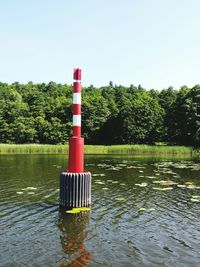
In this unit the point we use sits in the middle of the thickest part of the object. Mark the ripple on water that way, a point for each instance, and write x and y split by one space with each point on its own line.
130 223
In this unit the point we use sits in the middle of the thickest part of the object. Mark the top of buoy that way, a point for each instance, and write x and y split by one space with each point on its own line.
77 74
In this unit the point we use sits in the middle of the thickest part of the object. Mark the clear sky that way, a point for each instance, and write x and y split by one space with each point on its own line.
155 43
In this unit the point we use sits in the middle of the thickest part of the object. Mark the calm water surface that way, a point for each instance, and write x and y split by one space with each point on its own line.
135 219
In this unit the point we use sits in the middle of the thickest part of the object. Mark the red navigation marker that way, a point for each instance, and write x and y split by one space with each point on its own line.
75 182
76 142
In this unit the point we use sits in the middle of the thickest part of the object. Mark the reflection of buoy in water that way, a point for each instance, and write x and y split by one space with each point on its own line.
73 234
75 182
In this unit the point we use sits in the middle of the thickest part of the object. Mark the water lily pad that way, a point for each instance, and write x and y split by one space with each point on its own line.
142 209
98 182
142 184
98 174
163 189
82 209
191 186
165 182
194 200
73 211
114 169
119 198
20 193
47 196
31 188
151 209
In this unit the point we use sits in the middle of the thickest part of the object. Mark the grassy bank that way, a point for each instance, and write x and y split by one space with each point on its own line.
117 149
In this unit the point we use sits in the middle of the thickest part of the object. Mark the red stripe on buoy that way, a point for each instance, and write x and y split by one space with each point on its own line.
76 109
77 87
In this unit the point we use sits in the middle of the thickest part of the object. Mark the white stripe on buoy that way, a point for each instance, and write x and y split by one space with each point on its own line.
76 120
76 98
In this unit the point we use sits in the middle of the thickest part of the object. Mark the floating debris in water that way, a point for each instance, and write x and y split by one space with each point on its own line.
142 184
163 189
20 193
119 198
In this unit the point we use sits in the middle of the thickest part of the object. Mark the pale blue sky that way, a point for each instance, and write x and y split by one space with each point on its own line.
155 43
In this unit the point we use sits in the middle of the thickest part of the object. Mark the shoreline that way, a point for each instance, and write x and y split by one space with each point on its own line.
134 150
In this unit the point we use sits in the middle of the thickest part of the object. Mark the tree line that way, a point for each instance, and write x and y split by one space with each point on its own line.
41 113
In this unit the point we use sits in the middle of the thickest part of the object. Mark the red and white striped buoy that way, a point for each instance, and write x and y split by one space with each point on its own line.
75 182
76 142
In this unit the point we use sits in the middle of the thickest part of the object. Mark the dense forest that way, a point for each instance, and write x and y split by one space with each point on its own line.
41 113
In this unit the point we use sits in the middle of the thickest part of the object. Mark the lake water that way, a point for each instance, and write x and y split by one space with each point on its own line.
136 219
